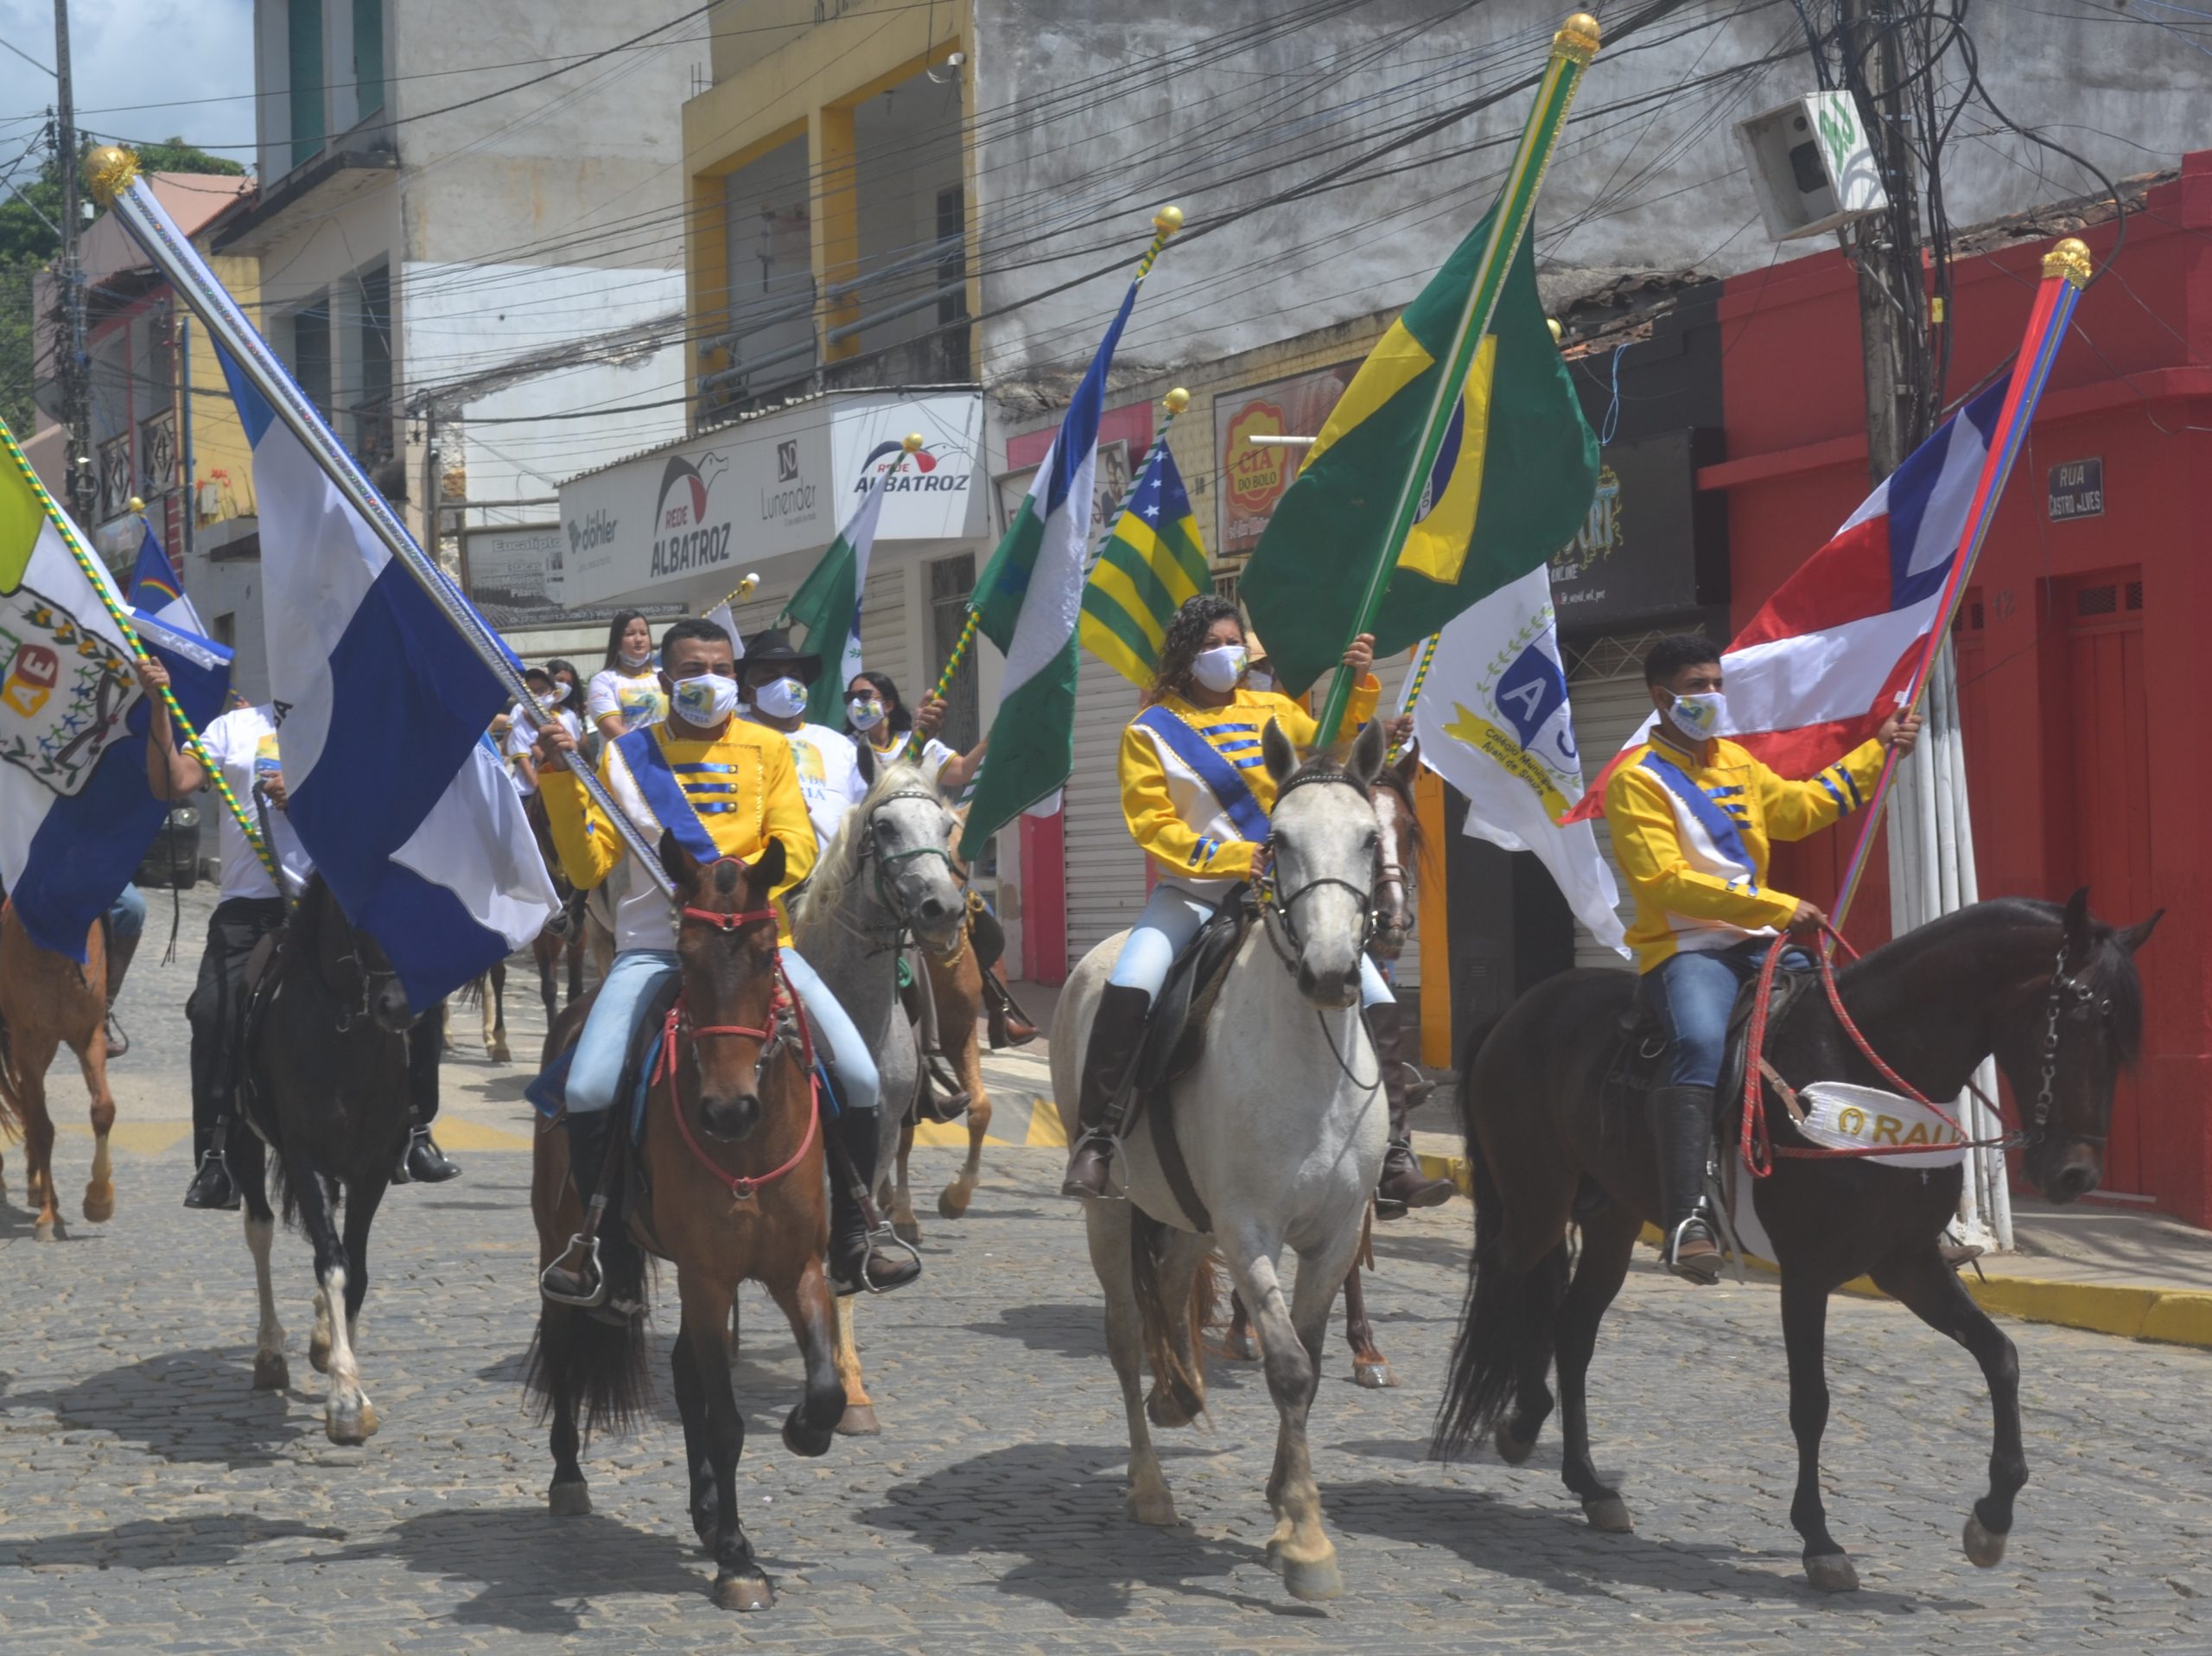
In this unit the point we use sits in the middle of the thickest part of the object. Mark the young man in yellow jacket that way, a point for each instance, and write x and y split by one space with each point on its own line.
1693 817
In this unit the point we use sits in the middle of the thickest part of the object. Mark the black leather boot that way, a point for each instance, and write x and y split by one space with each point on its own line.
211 1185
602 1269
855 1266
1403 1185
1008 1024
1682 1131
1116 1033
119 950
423 1162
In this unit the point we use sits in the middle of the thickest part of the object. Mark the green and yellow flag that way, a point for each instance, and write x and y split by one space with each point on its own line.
1511 484
1153 563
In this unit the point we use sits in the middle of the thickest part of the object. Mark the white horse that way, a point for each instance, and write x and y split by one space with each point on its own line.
888 876
1282 1124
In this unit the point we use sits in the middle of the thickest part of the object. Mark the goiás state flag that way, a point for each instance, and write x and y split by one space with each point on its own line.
76 815
1825 660
1511 481
1151 564
407 814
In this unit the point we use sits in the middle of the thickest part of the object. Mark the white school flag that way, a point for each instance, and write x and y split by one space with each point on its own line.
1494 722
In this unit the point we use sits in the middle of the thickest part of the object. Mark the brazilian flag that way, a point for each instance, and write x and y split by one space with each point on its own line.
1153 561
1511 484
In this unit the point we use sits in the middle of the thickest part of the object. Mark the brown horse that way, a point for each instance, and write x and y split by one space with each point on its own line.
956 987
46 999
735 1192
2050 993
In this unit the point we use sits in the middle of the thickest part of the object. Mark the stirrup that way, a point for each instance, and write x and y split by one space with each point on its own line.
597 1295
1670 1256
112 1032
1118 1183
884 1232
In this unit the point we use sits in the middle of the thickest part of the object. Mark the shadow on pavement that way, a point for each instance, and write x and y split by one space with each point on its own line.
185 1405
201 1542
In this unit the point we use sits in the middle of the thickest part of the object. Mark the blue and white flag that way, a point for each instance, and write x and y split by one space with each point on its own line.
155 591
408 814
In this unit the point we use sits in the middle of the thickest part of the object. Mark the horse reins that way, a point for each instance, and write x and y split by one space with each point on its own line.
1273 904
903 928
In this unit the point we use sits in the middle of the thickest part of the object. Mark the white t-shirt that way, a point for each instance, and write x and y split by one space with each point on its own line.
828 775
636 695
242 744
521 738
935 753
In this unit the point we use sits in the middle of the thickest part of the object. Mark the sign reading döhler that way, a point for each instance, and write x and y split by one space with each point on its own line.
1652 549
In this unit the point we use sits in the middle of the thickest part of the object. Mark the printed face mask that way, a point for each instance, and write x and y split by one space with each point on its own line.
1700 717
706 699
780 698
1219 668
865 712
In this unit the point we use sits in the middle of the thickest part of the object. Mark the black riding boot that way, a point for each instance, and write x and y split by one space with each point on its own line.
1403 1185
855 1265
211 1185
1681 1129
603 1269
119 951
423 1162
1116 1033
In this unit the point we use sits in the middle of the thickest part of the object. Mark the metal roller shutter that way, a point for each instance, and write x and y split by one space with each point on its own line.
1604 682
883 627
1105 871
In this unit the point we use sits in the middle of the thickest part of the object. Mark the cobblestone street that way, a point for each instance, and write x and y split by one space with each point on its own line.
149 1499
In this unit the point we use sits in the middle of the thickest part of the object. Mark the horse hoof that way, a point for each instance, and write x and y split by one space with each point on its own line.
859 1421
1233 1347
271 1371
907 1231
99 1203
569 1501
1156 1508
1832 1572
743 1593
1170 1407
352 1426
951 1204
499 1055
1313 1580
804 1440
1608 1513
1984 1546
1373 1372
47 1230
1510 1450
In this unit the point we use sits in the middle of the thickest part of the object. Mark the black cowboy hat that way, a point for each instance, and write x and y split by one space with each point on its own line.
773 647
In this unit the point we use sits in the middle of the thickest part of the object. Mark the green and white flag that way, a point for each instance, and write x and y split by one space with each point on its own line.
828 604
1027 603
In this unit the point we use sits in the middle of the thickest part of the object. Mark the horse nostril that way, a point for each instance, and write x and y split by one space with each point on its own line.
933 908
730 1117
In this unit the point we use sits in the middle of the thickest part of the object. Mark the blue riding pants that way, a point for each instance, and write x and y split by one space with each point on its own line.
1170 919
126 915
1692 993
637 976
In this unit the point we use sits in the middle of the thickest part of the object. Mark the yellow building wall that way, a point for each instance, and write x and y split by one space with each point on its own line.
220 453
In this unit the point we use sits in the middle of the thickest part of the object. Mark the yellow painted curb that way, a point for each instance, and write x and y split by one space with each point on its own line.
458 1133
1042 1132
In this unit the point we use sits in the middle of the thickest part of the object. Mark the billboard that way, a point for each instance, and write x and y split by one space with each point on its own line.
508 575
1255 474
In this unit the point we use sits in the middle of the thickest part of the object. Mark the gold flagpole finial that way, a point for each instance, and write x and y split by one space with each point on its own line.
136 504
1167 221
1177 400
913 442
109 170
2069 258
1577 38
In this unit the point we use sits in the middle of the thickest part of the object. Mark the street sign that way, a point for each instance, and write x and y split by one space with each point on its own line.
2077 490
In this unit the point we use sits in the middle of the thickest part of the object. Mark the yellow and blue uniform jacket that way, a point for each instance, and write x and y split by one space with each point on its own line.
742 789
1693 839
1175 763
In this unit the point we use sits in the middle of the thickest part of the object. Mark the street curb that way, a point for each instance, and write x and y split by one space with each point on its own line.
2172 1316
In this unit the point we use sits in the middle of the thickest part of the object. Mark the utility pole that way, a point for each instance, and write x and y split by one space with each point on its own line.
75 366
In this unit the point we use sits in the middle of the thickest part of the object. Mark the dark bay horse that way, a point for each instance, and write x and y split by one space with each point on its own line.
326 1066
2049 992
733 1160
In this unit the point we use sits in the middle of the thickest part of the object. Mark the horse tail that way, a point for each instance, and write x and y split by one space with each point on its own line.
593 1368
1179 1385
1506 1323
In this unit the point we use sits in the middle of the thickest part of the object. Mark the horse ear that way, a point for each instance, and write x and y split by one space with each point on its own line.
1368 749
768 869
683 868
2137 936
1279 751
2077 925
1407 771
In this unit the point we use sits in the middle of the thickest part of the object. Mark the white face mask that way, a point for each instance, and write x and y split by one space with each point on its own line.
1698 717
865 715
1219 668
1260 680
633 663
705 699
548 699
780 698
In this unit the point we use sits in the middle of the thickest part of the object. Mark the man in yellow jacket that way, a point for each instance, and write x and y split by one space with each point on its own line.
1693 817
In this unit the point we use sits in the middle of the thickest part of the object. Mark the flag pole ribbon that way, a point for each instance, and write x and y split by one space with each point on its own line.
1164 223
1413 691
112 173
2066 271
736 595
1572 48
121 616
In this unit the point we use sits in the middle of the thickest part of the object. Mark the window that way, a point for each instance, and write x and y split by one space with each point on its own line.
371 426
303 34
311 353
226 629
951 221
368 55
952 580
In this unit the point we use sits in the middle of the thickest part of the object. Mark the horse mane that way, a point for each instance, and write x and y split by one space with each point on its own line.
826 884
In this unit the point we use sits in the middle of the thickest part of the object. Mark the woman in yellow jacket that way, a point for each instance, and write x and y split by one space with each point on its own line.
1197 798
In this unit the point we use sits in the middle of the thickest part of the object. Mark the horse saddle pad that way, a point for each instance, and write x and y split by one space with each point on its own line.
1176 1028
548 1093
1642 1048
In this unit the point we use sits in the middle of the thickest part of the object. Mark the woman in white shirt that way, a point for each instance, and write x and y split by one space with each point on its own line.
522 735
879 722
626 693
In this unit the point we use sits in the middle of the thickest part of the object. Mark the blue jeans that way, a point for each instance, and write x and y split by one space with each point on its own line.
637 974
1692 992
1170 922
126 916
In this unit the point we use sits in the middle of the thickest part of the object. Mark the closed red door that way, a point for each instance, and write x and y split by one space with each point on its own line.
2112 793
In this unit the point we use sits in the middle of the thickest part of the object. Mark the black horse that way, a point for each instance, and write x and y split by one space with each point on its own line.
326 1069
2051 993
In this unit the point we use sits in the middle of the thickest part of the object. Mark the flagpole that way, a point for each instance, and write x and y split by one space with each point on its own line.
121 616
736 595
1175 402
2066 271
112 173
1572 49
1413 691
1164 223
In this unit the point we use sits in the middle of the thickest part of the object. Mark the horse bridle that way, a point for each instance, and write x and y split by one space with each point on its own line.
1273 905
370 977
1398 875
2054 1009
886 873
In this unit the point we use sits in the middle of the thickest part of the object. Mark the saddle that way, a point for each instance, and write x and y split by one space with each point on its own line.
1641 1048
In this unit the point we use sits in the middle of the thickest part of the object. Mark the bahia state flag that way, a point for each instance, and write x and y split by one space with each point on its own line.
76 814
155 590
409 816
1026 602
1511 483
1153 561
827 603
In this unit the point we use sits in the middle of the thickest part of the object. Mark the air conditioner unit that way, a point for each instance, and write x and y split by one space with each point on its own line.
1811 166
